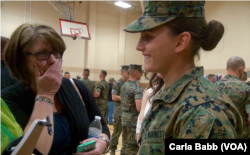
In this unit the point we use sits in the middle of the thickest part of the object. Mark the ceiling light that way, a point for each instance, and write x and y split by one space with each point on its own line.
123 4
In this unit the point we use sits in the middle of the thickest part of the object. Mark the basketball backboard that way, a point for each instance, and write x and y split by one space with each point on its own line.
74 29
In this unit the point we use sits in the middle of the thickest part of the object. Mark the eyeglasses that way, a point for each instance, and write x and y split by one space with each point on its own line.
44 55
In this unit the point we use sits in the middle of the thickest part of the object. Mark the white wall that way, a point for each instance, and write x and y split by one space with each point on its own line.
111 47
105 50
235 42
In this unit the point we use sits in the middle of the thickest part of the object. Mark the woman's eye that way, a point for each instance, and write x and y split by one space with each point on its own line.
42 53
57 55
148 38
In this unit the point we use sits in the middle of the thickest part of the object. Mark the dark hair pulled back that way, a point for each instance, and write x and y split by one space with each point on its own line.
205 35
154 79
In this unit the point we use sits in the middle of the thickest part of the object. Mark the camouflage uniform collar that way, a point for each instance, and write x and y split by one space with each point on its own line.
171 93
131 81
231 77
122 79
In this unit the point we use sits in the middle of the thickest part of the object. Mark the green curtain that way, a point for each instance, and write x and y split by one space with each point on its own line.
10 129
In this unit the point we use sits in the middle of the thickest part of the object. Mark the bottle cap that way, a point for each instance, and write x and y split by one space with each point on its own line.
98 118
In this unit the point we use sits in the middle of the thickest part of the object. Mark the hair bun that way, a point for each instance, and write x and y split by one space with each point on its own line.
212 35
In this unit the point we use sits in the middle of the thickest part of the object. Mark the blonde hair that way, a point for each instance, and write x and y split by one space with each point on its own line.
21 40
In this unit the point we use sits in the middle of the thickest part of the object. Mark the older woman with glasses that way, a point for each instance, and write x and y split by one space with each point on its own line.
34 56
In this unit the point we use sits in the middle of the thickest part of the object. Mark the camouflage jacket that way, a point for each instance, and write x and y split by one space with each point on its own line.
89 84
139 83
130 92
239 93
117 90
192 108
103 88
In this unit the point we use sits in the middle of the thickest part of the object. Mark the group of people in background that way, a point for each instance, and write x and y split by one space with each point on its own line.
179 103
127 94
211 77
99 91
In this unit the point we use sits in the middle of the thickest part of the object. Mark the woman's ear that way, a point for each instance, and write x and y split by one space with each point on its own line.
182 41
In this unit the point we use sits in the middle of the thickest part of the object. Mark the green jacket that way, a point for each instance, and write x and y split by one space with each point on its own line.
89 84
239 93
10 129
117 91
103 88
192 108
130 92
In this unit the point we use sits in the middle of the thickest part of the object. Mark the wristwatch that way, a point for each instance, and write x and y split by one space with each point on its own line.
107 141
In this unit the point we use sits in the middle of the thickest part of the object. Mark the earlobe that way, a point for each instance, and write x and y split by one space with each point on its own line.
182 42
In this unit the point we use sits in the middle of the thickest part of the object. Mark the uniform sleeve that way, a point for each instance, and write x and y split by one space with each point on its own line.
138 93
99 87
115 89
202 124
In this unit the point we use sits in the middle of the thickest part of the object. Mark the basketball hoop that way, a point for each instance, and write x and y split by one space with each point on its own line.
76 32
78 35
73 29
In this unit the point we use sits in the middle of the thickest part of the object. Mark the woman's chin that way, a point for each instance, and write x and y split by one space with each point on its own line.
148 69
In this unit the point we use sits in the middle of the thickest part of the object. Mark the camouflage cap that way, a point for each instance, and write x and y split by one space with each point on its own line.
160 12
111 79
124 67
136 67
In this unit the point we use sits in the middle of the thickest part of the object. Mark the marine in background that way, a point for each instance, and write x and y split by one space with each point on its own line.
88 83
101 93
237 90
117 124
131 98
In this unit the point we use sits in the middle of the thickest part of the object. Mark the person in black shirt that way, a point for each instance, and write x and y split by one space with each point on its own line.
110 109
6 80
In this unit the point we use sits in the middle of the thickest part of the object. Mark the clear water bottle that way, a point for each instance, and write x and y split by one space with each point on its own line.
95 128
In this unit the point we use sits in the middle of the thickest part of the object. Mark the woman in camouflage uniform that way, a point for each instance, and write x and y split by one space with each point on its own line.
188 106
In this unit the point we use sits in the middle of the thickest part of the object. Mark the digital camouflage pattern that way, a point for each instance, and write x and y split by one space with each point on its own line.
136 67
192 108
117 124
130 92
111 79
117 91
102 100
139 84
124 67
89 84
239 93
129 145
160 12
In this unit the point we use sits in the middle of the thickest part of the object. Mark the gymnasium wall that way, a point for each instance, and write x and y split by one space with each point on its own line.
111 47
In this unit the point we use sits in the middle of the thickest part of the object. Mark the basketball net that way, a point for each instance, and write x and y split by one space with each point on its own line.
78 35
76 32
